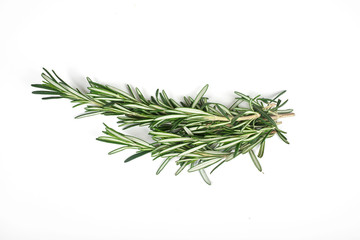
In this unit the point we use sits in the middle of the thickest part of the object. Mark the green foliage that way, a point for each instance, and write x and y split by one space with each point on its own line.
197 133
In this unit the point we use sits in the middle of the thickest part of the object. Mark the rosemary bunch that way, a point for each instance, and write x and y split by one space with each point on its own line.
196 132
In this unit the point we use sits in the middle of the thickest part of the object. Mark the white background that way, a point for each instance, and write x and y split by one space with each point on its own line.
57 181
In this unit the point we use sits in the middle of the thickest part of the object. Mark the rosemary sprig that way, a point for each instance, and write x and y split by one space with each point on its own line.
197 133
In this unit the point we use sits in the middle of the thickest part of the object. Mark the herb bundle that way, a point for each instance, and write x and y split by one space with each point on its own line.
196 132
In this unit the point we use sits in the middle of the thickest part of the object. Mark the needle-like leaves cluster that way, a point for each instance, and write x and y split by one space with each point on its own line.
197 133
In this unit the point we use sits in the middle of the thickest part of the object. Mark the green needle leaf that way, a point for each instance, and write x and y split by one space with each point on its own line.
255 160
182 166
261 150
45 92
204 165
117 150
277 96
204 176
200 95
282 137
48 98
237 148
88 114
217 167
136 155
111 140
165 162
192 150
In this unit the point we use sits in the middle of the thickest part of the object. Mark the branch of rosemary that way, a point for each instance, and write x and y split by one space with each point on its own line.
198 133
